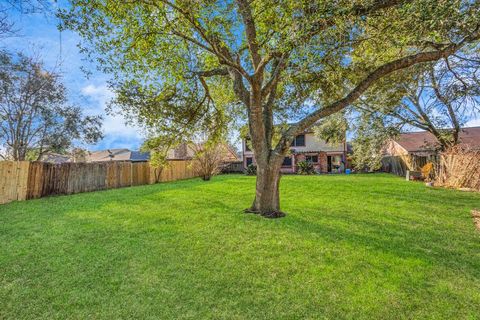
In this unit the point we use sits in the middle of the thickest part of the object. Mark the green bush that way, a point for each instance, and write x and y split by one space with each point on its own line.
305 167
251 170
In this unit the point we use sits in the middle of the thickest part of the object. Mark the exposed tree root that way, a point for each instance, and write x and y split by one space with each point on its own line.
268 215
274 215
250 210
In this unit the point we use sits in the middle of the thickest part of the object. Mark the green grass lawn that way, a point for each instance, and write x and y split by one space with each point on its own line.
355 247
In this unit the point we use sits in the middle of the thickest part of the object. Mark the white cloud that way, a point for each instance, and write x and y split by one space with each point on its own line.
97 92
100 94
473 123
117 133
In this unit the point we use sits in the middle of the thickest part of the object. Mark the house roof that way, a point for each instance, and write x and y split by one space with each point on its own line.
139 156
109 155
117 155
233 155
186 151
425 141
54 158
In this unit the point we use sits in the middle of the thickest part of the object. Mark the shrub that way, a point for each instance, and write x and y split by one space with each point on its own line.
207 160
251 170
428 172
305 167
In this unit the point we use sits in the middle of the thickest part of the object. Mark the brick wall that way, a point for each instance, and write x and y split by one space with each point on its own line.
323 164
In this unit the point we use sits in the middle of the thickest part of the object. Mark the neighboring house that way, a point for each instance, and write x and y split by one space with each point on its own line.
55 158
326 158
411 151
97 156
186 151
230 154
182 152
117 155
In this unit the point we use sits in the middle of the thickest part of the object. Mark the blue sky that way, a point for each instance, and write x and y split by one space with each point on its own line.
38 34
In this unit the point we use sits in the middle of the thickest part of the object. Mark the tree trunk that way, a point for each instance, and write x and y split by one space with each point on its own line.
267 197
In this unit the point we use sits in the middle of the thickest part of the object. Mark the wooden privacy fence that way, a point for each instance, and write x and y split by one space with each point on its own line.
394 164
22 180
400 164
232 167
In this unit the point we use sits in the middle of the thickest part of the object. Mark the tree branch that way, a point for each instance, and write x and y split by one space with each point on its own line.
250 31
277 70
448 105
357 10
465 86
216 47
193 41
366 83
211 73
239 88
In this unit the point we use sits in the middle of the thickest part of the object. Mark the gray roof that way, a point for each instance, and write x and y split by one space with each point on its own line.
109 155
139 156
118 155
55 158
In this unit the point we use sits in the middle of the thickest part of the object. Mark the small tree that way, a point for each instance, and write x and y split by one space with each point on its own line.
79 155
35 116
372 131
208 159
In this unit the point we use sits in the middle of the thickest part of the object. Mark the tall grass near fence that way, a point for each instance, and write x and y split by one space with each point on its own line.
459 168
23 180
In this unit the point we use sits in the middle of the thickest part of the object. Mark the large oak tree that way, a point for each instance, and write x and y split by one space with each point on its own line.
188 63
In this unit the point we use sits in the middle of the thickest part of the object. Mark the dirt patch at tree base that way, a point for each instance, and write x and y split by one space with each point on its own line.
268 215
476 218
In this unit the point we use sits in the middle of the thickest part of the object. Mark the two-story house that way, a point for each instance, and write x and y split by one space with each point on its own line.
326 158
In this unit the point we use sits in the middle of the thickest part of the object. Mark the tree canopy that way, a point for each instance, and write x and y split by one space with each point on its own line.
172 59
439 97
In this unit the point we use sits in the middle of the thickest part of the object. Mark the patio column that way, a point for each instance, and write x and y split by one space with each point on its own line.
293 163
323 162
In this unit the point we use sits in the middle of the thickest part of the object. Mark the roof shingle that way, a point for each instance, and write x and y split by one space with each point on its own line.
425 141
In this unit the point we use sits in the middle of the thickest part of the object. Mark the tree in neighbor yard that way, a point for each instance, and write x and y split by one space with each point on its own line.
179 62
35 116
440 99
